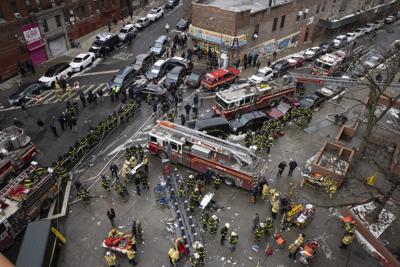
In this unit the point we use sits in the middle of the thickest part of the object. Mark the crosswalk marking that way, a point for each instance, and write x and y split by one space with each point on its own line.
123 55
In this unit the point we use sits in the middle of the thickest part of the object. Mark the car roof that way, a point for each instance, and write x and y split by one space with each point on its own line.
253 115
265 69
56 66
142 55
124 71
128 26
161 38
176 69
142 18
159 62
82 54
215 121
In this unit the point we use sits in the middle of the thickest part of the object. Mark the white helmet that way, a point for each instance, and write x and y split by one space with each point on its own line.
233 233
214 217
196 255
309 206
196 244
261 225
191 176
108 253
227 225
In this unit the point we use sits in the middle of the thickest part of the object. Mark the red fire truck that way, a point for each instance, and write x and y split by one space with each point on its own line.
245 99
327 64
236 164
16 152
219 78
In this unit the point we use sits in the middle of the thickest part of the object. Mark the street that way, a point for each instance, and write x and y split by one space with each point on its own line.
86 225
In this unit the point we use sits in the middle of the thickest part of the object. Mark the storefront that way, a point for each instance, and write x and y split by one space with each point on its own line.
34 43
57 46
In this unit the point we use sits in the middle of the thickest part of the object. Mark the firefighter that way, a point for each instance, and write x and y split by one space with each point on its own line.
40 171
173 256
191 204
196 196
205 216
268 142
346 240
265 191
195 260
350 227
146 163
105 183
248 139
111 259
114 233
131 254
199 248
217 180
294 247
213 222
275 205
84 195
233 240
140 152
286 118
181 190
224 232
190 183
144 180
259 232
268 226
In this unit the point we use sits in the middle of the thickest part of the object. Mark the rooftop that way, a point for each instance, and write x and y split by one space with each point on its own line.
242 5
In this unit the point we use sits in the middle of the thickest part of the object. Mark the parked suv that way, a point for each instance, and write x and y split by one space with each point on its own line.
127 33
220 78
157 70
216 126
104 44
143 62
172 3
155 13
142 23
124 78
248 121
179 61
174 77
280 67
159 45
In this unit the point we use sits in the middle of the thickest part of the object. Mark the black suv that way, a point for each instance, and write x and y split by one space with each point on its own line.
280 67
172 3
104 44
216 126
174 77
327 47
143 62
179 61
124 78
248 121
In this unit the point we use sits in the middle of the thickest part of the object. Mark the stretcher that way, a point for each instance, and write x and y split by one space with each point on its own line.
118 244
206 200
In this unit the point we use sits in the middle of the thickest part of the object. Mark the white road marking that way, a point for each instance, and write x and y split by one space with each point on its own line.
99 73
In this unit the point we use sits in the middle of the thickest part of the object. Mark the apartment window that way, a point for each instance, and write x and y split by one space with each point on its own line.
45 26
256 28
274 24
305 13
318 8
2 17
323 7
299 14
58 21
283 21
13 5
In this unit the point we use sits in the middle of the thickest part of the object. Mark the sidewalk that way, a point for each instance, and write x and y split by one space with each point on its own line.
85 44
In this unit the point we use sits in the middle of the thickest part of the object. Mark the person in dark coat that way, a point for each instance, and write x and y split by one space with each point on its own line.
30 66
255 58
237 64
292 166
83 98
281 168
245 61
40 124
62 120
187 109
111 216
249 59
183 119
21 68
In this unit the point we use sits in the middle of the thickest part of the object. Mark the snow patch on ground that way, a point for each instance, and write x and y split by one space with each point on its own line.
384 220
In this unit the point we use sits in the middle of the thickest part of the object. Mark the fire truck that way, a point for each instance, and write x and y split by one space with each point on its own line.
220 78
327 64
236 164
245 99
24 199
16 152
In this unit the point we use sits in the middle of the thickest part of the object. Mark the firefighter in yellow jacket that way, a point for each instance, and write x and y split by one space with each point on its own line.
347 240
294 247
111 259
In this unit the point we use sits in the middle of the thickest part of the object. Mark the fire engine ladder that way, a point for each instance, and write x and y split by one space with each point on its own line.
244 154
348 82
17 180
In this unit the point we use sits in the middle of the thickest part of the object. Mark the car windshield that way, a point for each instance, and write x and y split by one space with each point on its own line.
209 79
97 43
118 80
314 49
78 59
50 73
153 12
221 102
172 76
260 74
155 69
123 31
278 66
325 45
158 44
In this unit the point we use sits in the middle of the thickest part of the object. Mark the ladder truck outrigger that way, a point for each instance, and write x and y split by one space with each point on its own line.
236 164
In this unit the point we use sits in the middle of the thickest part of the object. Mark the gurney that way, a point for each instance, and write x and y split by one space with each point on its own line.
206 200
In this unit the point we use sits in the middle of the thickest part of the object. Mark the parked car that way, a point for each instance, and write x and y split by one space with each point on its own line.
142 23
82 60
194 79
171 4
159 46
280 67
155 13
351 36
182 24
263 75
174 77
329 90
360 32
25 92
279 111
179 61
312 53
220 78
143 62
154 89
370 27
311 101
340 41
157 70
127 33
55 72
124 78
379 23
104 44
248 121
296 61
389 20
327 47
215 126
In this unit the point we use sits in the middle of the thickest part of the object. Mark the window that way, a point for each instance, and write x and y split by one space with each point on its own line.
58 21
13 5
305 14
174 146
323 7
256 28
248 99
318 8
299 14
45 26
274 24
283 21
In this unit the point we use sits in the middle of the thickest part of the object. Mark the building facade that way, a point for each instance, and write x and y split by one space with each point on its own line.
37 30
237 27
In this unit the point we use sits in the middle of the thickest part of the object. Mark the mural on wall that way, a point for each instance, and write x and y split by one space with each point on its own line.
218 38
288 41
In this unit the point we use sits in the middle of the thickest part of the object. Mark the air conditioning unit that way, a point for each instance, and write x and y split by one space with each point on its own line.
17 15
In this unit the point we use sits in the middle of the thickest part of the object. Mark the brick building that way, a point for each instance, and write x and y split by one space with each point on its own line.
37 30
236 27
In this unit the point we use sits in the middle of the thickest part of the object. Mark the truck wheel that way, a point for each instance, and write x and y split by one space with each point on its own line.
45 206
228 181
163 155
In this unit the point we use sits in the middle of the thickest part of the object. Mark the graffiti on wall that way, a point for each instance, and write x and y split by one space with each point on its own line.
218 38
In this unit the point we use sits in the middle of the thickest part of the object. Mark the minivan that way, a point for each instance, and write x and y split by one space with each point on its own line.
124 78
159 46
104 44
